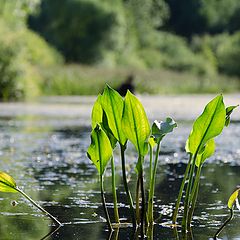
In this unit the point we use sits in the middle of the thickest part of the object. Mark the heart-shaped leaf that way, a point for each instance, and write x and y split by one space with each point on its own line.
229 111
135 123
208 125
97 112
233 198
112 104
7 183
207 152
160 129
100 150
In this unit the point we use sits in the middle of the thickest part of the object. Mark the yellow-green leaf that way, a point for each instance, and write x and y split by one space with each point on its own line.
7 183
135 123
100 150
233 198
208 151
112 104
208 125
97 112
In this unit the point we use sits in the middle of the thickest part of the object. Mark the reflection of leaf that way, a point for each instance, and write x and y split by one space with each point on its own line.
208 125
135 123
7 183
233 198
100 150
229 111
207 152
160 129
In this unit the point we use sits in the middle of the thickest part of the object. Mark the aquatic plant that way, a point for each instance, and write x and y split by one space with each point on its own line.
233 200
8 184
200 146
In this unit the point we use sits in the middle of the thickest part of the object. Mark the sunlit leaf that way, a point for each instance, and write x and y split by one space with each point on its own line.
152 141
208 125
100 150
229 111
112 104
7 183
207 152
135 123
160 129
233 198
97 112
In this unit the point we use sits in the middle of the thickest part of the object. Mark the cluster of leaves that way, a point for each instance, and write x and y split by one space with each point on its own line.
117 120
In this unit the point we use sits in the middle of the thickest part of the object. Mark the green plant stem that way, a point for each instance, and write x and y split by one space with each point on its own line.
104 204
38 206
152 185
138 202
114 192
188 192
175 214
150 164
129 197
194 195
224 224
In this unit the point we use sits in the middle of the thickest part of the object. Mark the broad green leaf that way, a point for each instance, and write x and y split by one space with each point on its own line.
97 112
208 125
160 129
207 152
100 150
233 198
7 183
229 111
112 104
135 123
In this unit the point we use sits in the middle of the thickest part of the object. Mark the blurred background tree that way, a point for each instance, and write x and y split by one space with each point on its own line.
47 45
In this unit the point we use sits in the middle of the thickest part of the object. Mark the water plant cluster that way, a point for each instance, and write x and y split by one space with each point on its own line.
116 121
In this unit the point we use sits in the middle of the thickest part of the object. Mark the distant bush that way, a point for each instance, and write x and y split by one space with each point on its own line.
21 53
225 51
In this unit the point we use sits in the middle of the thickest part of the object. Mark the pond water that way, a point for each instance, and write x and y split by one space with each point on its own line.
47 157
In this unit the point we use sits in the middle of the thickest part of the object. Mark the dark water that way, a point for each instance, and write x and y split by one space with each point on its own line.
48 161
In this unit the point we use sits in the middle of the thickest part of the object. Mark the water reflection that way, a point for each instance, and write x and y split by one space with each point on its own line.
50 164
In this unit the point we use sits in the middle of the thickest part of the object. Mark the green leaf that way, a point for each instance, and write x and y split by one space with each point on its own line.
229 111
112 104
7 183
233 198
135 123
160 129
100 150
152 141
207 152
208 125
97 112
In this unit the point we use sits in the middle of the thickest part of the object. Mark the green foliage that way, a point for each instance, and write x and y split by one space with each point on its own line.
232 199
135 123
7 183
100 150
112 104
208 125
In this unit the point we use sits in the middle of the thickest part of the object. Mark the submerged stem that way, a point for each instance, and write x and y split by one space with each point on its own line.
175 214
104 204
129 197
224 224
152 185
114 192
38 206
187 197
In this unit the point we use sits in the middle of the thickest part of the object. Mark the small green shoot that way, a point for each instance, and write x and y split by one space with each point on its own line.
233 199
8 184
159 130
136 128
100 152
